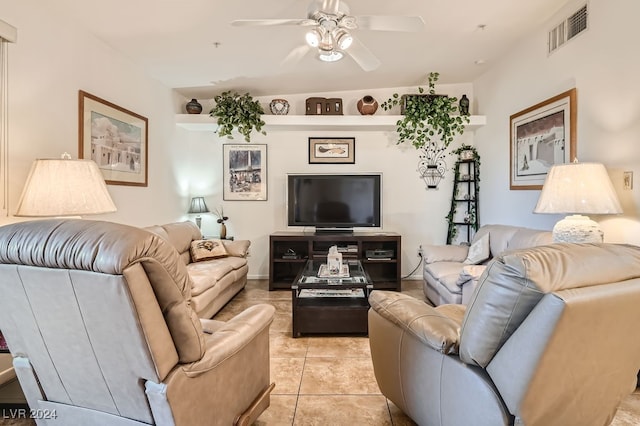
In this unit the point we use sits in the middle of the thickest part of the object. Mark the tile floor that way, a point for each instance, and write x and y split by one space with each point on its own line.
330 380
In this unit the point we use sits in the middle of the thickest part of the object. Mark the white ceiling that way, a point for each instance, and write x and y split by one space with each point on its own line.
175 41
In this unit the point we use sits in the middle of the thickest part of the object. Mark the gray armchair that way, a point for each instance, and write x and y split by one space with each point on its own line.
98 320
548 338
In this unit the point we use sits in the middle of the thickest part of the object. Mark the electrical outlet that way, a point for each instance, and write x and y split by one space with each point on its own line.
420 253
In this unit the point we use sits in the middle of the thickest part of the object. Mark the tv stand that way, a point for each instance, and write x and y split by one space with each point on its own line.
289 252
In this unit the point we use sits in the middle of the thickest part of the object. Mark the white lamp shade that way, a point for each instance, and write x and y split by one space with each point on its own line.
582 188
64 187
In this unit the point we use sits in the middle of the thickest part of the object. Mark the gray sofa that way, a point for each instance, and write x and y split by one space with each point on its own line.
215 281
548 339
448 279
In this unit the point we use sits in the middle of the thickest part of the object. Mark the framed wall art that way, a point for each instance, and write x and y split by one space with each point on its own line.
541 136
115 138
332 150
245 172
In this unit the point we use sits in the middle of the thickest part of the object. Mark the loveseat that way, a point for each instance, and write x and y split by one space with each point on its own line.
217 268
548 339
451 272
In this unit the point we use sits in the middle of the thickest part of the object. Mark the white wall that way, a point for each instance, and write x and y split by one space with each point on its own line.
50 62
603 65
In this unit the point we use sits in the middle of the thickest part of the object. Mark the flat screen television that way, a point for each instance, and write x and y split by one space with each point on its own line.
334 202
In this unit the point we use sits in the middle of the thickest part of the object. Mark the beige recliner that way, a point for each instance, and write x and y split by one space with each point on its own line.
98 319
548 338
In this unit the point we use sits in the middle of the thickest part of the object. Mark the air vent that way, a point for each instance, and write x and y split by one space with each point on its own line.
568 29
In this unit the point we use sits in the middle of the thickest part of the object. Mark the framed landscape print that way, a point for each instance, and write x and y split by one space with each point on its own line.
245 172
541 136
332 150
115 138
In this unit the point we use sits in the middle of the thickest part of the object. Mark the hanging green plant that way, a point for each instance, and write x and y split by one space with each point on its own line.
235 111
427 116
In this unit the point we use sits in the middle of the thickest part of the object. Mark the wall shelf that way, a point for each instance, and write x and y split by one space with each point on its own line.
204 122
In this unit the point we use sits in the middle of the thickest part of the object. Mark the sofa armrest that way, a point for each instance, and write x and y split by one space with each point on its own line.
437 328
445 253
228 339
237 248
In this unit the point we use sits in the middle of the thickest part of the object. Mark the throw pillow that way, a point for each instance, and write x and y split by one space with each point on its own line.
207 249
238 248
479 251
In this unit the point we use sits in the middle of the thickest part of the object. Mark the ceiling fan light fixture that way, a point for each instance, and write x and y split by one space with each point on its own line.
330 56
313 38
342 38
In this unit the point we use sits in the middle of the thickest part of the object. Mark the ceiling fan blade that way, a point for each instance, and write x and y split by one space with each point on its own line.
272 22
363 56
330 6
390 23
296 55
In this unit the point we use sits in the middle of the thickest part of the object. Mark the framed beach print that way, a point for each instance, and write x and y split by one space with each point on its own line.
541 136
332 150
115 138
245 172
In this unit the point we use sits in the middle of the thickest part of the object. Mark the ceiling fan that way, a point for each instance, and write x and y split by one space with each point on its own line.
330 31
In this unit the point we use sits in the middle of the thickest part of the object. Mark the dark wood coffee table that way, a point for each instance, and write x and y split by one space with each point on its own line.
330 304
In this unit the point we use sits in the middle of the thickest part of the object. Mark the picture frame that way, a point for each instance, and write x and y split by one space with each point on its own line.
115 138
332 150
541 136
244 172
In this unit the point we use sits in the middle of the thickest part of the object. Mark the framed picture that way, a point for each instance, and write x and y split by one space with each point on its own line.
541 136
332 150
245 172
115 138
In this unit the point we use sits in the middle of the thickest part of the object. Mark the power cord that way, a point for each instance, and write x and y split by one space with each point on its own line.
416 268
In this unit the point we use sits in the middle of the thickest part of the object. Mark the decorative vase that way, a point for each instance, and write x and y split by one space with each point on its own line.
223 231
367 105
193 107
464 105
279 107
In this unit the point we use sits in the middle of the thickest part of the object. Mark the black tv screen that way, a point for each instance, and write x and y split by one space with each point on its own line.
334 201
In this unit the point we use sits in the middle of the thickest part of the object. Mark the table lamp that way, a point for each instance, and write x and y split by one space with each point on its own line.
578 189
198 206
64 187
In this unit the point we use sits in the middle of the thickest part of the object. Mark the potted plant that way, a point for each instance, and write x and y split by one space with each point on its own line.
427 117
235 111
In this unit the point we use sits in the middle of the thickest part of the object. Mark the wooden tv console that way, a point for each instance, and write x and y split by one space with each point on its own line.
289 251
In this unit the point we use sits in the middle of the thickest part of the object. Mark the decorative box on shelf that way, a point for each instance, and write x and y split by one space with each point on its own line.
324 106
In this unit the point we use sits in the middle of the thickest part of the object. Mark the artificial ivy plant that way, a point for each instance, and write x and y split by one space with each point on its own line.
427 116
235 111
452 229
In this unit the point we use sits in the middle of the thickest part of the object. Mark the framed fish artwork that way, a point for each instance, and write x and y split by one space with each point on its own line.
332 150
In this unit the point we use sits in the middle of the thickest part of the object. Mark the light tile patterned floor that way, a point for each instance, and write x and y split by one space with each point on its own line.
330 380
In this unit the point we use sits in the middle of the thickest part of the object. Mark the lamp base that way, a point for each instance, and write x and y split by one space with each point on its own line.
577 229
199 222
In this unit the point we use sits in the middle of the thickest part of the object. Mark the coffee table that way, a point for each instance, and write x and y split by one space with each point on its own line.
330 304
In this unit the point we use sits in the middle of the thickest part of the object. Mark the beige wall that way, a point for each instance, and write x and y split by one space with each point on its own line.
602 64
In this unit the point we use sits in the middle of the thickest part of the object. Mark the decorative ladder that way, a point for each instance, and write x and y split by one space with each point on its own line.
465 194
